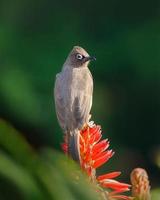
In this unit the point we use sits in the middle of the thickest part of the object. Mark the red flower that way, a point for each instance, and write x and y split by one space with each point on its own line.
93 154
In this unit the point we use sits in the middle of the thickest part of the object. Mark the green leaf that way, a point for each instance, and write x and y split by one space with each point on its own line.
20 177
69 175
14 143
50 175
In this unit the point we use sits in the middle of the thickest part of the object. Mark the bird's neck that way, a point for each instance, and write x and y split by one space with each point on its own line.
68 67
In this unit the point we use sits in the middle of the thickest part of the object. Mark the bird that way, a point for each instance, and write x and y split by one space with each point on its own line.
73 93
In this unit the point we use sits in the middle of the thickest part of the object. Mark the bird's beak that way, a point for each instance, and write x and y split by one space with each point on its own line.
89 58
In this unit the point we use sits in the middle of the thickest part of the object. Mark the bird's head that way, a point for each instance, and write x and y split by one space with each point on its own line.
79 57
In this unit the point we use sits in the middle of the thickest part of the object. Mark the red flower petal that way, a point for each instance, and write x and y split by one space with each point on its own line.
95 134
119 191
104 144
100 161
121 197
64 147
115 185
108 176
87 156
94 129
97 155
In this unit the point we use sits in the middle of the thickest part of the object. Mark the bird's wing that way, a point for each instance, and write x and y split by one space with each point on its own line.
83 102
59 101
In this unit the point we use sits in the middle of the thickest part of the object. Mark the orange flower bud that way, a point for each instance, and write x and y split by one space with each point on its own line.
140 184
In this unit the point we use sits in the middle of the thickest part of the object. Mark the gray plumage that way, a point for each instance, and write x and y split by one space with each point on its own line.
73 97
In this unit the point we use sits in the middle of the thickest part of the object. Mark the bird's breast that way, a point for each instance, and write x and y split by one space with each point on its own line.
75 82
81 78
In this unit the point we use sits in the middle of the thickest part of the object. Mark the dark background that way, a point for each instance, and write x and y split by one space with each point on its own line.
35 39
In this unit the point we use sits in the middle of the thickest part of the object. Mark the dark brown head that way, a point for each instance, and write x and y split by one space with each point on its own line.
78 57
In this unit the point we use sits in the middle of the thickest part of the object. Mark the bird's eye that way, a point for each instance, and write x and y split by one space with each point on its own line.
79 56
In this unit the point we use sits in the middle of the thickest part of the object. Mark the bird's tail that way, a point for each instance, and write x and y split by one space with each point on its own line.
73 145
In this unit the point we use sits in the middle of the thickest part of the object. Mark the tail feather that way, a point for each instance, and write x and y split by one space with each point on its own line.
73 145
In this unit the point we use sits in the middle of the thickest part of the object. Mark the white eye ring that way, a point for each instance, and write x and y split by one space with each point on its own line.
79 56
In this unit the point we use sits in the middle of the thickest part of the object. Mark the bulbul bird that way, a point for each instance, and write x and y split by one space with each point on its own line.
73 97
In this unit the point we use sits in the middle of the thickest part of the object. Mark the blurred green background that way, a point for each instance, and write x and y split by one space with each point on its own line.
35 39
